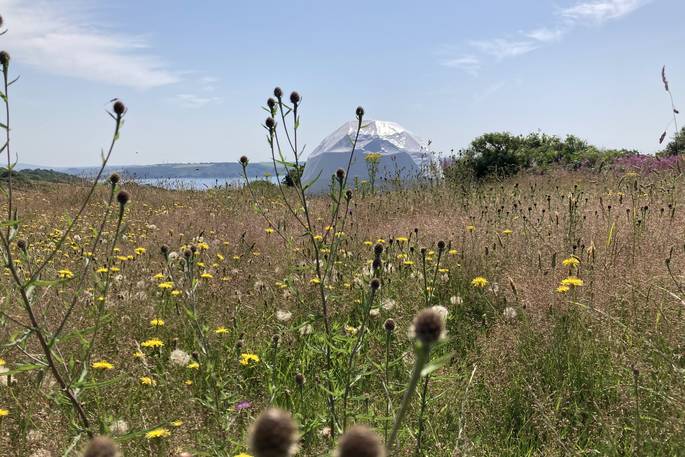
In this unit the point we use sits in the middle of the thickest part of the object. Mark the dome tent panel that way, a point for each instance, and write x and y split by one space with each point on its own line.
401 156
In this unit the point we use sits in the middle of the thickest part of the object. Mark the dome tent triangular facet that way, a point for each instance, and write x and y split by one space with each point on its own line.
401 156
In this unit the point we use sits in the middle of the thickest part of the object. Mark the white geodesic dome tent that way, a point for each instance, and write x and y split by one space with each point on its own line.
403 156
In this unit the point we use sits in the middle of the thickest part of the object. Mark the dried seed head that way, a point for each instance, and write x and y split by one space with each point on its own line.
244 160
359 441
271 103
274 434
378 249
377 263
270 123
375 284
187 253
164 249
101 446
441 245
348 194
119 108
428 326
123 197
359 112
4 59
389 325
22 244
340 174
114 178
295 98
278 93
300 379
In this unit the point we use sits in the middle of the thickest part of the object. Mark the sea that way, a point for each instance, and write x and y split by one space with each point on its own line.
200 183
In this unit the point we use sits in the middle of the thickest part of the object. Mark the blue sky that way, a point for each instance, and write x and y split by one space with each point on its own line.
194 74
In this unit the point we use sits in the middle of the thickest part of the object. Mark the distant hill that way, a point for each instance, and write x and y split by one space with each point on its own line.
179 170
25 176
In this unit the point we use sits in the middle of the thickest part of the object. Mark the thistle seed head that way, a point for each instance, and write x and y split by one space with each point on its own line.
274 434
359 441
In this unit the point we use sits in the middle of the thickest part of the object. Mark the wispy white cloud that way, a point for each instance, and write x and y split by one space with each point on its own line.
502 47
600 11
468 63
526 41
194 100
60 38
545 35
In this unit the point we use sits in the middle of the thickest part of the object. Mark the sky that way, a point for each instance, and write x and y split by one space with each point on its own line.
195 74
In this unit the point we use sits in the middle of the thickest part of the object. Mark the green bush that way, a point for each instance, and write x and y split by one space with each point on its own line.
501 154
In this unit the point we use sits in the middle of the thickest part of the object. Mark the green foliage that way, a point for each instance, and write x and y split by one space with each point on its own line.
502 154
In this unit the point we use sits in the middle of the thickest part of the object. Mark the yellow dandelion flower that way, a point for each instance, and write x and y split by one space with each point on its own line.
221 330
193 365
202 246
479 281
368 243
2 362
65 273
157 322
102 270
246 359
315 281
269 230
242 454
188 382
507 232
158 276
140 251
563 289
166 285
102 365
452 252
4 412
206 276
318 237
138 355
177 423
471 228
159 432
152 343
147 381
176 293
572 261
572 281
408 263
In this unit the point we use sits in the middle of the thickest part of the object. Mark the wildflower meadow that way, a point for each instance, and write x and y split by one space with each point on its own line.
538 314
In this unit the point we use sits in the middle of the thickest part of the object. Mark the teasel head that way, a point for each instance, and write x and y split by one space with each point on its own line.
4 60
378 249
359 441
273 434
123 197
377 263
270 124
340 175
389 325
348 195
360 113
375 284
101 446
428 326
114 178
271 103
278 93
119 108
244 160
441 245
295 98
22 244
